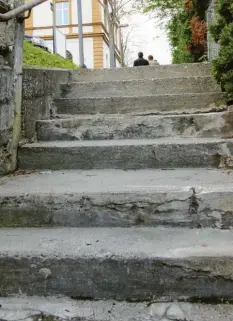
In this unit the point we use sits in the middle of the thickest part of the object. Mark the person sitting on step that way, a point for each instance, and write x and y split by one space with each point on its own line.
152 62
140 61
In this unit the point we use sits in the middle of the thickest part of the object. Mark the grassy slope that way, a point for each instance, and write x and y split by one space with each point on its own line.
35 56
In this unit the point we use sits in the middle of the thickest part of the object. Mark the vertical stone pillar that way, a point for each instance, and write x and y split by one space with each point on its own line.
11 52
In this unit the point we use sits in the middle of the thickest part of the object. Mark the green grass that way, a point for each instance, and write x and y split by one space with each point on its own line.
35 56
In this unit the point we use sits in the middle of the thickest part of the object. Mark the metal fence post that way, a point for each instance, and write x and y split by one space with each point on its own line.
80 33
213 47
53 8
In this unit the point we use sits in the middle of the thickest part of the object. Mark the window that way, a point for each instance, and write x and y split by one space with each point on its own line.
62 13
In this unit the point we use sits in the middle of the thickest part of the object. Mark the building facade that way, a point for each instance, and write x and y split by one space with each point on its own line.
95 29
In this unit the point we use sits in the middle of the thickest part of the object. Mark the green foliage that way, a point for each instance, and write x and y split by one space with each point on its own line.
183 31
35 56
180 35
216 29
180 56
163 5
222 31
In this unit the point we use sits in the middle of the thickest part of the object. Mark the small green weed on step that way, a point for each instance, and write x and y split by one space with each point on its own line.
35 56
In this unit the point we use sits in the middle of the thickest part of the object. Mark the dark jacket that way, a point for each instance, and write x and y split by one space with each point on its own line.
141 62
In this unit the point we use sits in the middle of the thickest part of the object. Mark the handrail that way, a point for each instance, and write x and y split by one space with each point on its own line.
19 10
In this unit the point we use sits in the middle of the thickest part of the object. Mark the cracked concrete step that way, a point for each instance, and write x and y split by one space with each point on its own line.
179 103
127 154
64 308
97 127
123 264
162 71
139 87
116 198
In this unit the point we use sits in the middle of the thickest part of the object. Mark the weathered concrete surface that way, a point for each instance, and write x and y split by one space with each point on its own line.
11 34
189 198
123 264
128 154
139 87
97 127
163 71
64 308
168 104
7 40
39 86
6 109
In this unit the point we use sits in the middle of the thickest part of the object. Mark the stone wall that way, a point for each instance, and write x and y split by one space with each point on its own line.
11 36
39 85
37 89
6 106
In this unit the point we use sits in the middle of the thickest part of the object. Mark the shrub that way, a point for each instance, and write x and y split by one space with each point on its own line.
187 28
179 33
222 32
35 56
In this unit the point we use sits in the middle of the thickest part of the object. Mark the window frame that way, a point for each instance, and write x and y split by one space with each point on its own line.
64 13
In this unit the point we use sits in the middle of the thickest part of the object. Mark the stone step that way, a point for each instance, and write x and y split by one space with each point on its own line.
117 198
142 87
127 154
118 263
168 104
97 127
65 308
162 71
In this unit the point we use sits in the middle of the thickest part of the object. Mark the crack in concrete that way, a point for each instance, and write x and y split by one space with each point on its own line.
210 273
194 206
115 204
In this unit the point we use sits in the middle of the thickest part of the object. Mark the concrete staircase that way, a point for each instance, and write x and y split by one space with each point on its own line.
127 207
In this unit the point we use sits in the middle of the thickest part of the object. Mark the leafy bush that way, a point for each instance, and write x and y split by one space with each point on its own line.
222 32
35 56
180 35
187 29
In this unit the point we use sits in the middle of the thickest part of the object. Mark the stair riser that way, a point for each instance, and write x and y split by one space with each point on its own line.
116 277
215 155
139 105
140 88
129 127
170 71
174 209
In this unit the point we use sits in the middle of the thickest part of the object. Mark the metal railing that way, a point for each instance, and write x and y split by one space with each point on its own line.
15 12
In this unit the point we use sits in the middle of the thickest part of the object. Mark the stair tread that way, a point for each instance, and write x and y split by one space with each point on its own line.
73 82
62 117
156 242
140 103
127 142
117 263
65 308
176 95
160 86
118 181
